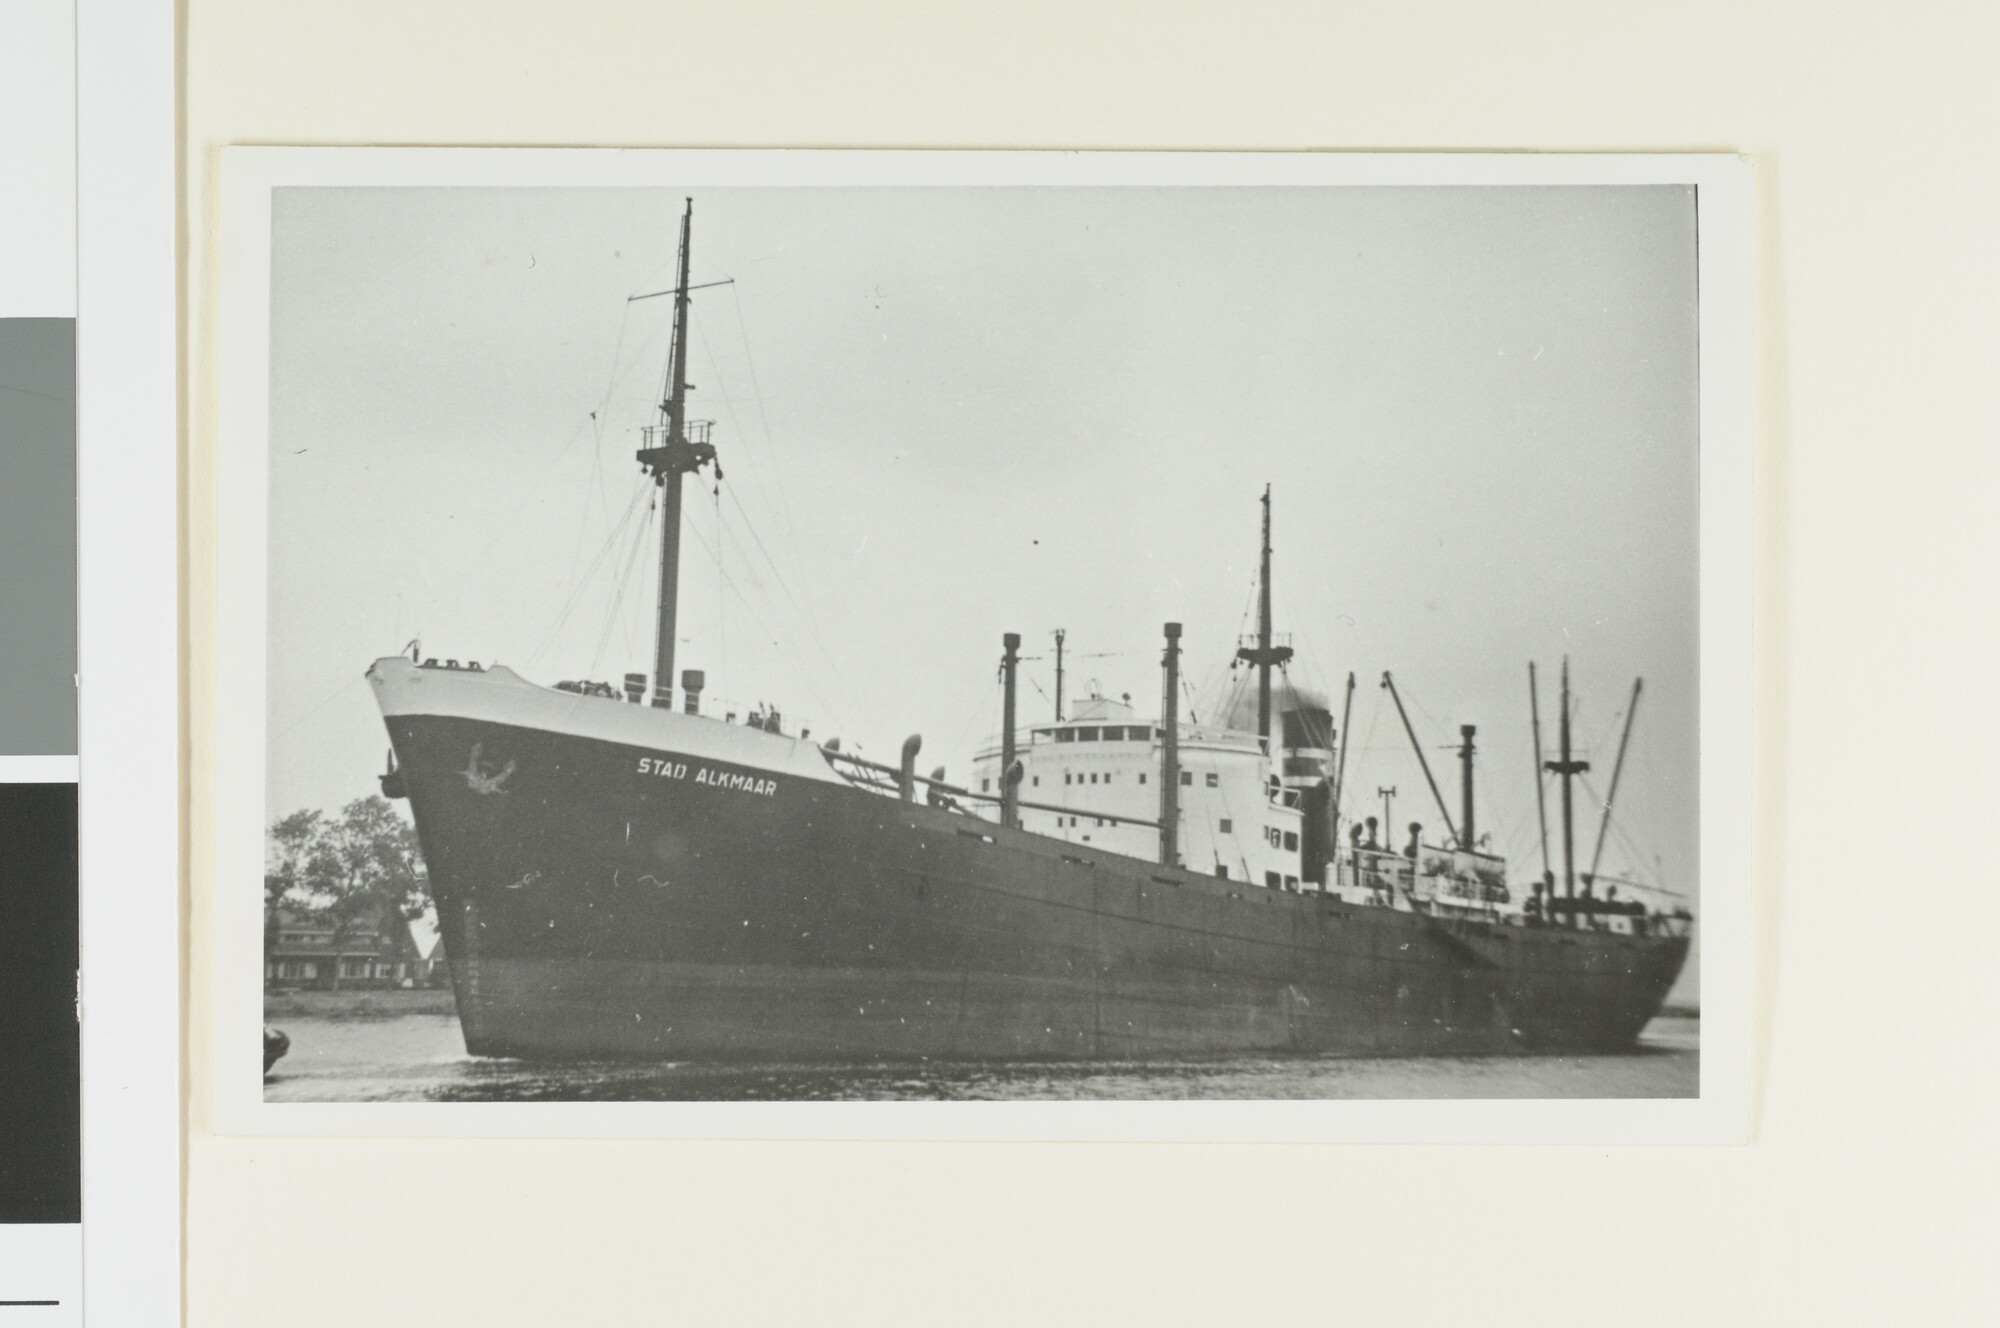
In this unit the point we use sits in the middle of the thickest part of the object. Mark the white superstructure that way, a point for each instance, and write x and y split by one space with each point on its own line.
1238 819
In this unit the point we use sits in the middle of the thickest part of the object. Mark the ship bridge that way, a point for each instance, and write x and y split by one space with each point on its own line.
1238 819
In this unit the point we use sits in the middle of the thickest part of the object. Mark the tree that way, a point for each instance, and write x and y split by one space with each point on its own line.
286 852
342 873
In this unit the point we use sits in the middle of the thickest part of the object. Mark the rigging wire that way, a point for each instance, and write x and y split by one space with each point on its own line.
1311 658
507 525
583 583
754 463
1435 723
616 532
352 680
727 585
622 584
1515 842
967 732
1631 846
1368 745
640 488
648 351
763 419
595 485
769 621
1640 858
763 627
611 379
1216 684
537 488
735 587
1603 742
721 581
785 531
804 615
470 556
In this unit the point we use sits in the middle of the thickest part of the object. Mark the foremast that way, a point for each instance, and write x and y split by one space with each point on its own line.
672 452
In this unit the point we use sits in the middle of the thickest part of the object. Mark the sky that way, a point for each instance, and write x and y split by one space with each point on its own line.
945 414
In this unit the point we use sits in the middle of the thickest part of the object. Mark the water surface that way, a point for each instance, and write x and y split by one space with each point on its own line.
422 1058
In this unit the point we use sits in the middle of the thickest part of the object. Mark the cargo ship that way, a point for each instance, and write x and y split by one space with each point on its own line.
619 875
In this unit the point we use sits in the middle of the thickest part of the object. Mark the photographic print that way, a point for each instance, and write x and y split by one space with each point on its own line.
942 640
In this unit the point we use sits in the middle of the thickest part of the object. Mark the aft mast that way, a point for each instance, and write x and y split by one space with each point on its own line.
1567 767
669 455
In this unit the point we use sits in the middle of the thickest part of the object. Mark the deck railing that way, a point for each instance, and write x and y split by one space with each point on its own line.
869 775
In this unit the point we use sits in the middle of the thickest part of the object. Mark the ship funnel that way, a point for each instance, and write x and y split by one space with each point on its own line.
906 778
1467 835
1010 812
635 687
692 681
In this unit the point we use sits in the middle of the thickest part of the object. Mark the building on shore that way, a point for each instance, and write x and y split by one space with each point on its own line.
375 950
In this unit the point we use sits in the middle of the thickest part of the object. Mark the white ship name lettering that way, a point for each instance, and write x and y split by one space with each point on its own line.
661 768
665 769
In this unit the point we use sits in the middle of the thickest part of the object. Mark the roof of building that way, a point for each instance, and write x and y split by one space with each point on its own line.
378 930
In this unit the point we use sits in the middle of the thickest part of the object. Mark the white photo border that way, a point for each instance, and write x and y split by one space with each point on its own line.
1718 1115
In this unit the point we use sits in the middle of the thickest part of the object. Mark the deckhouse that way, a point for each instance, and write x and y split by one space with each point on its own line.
1093 779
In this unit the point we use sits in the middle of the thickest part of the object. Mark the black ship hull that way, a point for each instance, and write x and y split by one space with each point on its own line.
601 897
